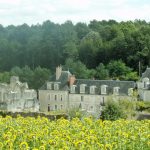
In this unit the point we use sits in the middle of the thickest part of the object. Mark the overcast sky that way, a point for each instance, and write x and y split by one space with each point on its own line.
17 12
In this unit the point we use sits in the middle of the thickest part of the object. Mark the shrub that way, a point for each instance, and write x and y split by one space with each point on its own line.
112 111
76 112
141 106
4 113
148 110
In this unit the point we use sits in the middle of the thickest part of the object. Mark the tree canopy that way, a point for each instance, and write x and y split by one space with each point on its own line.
119 46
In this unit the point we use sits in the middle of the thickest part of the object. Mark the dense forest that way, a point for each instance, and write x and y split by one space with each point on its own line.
102 49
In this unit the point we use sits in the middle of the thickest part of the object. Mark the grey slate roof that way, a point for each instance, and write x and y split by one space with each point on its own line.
64 81
64 84
124 86
145 74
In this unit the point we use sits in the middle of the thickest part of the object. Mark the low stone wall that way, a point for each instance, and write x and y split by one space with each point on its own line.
51 117
143 115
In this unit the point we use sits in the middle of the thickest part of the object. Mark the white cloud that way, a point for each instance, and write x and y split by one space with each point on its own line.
36 11
146 7
129 13
10 2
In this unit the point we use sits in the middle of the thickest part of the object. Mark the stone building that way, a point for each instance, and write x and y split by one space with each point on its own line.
63 91
143 86
16 96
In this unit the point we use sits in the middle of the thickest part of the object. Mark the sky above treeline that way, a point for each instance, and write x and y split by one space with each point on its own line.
17 12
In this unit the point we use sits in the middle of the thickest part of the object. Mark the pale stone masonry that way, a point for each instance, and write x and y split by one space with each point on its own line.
143 86
16 96
63 91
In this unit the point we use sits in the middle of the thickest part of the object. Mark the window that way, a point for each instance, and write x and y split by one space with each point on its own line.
48 107
103 89
55 97
48 97
56 87
55 107
61 106
61 98
92 89
82 98
82 88
145 82
103 100
116 90
49 86
91 108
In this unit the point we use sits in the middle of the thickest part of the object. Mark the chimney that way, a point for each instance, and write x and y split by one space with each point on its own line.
92 78
71 80
58 72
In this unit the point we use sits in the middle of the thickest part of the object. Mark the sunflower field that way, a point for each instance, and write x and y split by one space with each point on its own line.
89 134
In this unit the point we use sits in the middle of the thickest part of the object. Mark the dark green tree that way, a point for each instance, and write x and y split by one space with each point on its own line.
76 68
70 50
5 77
41 75
117 68
101 72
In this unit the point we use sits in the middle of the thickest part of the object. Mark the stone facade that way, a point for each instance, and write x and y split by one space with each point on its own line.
64 91
143 86
51 100
16 96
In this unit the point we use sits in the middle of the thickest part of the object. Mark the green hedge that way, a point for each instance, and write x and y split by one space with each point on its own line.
4 113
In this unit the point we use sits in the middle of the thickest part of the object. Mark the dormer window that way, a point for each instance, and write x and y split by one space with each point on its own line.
116 90
73 88
49 85
145 83
82 88
130 91
56 85
92 89
103 89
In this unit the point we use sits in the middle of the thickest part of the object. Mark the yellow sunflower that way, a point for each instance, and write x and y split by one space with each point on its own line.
54 143
43 142
97 145
1 144
65 148
79 145
108 147
108 135
88 147
114 145
41 148
8 144
23 145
